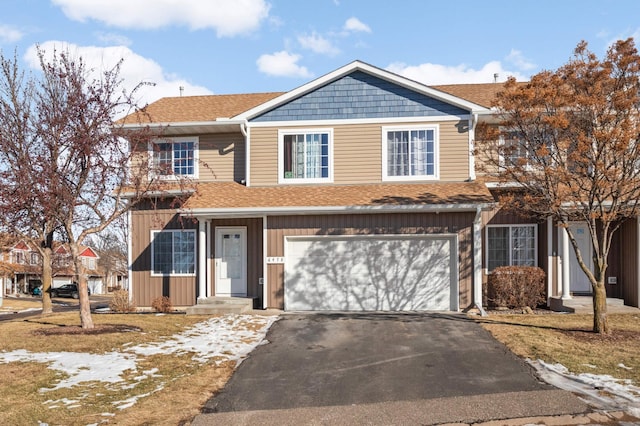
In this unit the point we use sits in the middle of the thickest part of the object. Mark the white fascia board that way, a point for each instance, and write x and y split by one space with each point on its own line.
388 120
158 193
262 211
369 69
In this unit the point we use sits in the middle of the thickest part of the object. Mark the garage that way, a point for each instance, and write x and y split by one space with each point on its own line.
371 273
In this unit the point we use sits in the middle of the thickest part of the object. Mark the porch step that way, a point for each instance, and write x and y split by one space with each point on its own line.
584 305
221 305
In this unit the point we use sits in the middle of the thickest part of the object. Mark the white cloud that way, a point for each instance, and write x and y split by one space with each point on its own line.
432 74
113 39
227 17
9 34
355 25
135 69
282 64
316 43
516 58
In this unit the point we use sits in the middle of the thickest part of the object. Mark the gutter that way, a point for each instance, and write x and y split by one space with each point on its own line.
473 121
312 210
244 129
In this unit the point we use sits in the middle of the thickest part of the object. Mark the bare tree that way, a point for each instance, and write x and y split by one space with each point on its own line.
70 167
568 149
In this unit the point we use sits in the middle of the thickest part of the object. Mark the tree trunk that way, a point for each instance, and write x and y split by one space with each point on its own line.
600 320
85 305
47 280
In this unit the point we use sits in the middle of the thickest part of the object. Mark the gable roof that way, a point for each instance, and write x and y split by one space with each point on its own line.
230 197
368 69
219 109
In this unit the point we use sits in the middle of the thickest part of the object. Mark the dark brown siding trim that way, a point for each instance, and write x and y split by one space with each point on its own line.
181 290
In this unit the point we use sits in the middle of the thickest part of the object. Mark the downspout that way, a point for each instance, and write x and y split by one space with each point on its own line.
473 121
129 258
477 262
247 155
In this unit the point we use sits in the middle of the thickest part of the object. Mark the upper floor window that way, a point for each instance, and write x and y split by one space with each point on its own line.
410 153
89 262
175 157
511 245
35 258
514 150
305 156
18 257
173 252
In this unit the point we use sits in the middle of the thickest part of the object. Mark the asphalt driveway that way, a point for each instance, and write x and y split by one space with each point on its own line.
316 360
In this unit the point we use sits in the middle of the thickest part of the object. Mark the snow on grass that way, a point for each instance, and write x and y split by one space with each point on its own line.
601 391
226 338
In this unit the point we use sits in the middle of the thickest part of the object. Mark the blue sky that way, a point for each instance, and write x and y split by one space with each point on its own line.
244 46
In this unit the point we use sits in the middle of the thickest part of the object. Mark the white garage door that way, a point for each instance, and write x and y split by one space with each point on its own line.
371 273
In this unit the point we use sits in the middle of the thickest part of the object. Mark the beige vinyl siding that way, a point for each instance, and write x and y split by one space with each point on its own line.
627 254
365 224
222 157
357 152
181 290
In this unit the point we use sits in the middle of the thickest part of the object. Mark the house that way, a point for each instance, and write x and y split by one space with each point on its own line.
355 191
21 267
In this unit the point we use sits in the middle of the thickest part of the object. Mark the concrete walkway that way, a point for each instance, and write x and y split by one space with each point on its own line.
584 305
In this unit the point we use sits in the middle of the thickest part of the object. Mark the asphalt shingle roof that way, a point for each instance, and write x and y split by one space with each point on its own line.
224 195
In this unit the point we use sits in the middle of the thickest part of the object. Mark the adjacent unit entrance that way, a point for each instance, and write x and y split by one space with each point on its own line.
579 281
371 273
231 261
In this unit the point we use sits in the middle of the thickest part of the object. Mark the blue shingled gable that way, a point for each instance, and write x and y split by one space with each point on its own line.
359 95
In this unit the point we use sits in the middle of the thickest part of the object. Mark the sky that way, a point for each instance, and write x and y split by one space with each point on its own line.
248 46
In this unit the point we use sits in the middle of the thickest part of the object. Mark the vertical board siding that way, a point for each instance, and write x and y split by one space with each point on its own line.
222 157
628 249
181 290
357 152
254 253
370 224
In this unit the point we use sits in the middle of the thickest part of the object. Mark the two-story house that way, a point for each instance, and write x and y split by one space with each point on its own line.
355 191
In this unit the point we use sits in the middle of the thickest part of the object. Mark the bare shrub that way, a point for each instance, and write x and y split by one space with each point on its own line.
120 302
162 304
516 287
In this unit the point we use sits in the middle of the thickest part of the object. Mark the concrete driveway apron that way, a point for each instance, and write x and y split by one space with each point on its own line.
316 360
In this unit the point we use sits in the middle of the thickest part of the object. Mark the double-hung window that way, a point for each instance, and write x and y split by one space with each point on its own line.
305 156
410 153
511 245
173 252
514 150
175 157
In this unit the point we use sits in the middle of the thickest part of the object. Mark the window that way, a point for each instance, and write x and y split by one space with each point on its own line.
173 252
89 262
514 150
305 156
18 257
410 153
175 157
35 258
511 245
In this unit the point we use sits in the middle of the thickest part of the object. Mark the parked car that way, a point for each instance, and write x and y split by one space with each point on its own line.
67 290
37 291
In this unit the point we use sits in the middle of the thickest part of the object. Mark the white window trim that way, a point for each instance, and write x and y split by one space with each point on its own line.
195 253
436 152
281 135
173 140
510 225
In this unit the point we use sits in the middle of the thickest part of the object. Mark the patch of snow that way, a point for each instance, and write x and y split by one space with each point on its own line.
230 337
590 366
601 391
621 365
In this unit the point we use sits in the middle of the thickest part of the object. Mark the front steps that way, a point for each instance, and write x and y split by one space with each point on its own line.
221 305
584 305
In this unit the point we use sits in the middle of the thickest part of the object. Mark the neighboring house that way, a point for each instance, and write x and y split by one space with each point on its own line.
21 267
64 271
355 191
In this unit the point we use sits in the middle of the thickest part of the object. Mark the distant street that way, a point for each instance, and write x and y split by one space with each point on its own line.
60 304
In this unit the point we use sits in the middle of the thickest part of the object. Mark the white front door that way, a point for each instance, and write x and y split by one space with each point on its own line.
579 281
231 261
